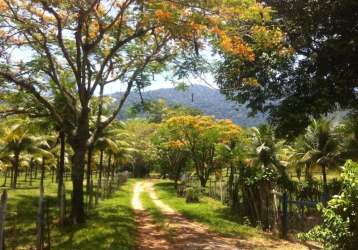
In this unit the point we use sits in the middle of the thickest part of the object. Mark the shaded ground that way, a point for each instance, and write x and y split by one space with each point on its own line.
190 235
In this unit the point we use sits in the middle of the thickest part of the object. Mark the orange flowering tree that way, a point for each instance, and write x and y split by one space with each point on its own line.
201 136
77 48
173 155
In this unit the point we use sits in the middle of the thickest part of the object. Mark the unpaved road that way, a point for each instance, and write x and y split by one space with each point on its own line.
186 234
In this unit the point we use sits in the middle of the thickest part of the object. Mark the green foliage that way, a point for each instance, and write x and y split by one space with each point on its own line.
339 229
320 73
192 194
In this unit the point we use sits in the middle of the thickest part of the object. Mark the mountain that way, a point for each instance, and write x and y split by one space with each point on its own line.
209 101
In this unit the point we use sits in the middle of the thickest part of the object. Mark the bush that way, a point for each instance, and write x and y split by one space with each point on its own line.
192 194
339 229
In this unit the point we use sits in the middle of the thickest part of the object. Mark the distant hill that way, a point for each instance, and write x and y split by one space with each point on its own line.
209 101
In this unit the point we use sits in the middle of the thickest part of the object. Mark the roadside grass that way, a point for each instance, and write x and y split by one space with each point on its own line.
110 225
208 211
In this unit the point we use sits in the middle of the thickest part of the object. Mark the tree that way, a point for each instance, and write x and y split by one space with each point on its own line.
95 43
173 156
158 110
17 138
348 133
321 146
201 135
268 175
318 74
138 135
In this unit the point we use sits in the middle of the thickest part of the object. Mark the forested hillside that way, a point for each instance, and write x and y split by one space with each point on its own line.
209 101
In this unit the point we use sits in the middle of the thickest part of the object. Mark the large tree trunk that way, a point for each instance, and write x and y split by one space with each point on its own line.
230 186
43 170
109 165
325 187
100 169
79 145
3 207
89 169
61 166
78 161
203 181
16 168
5 177
31 169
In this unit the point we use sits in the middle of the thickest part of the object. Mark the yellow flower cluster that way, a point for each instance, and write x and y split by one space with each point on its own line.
225 130
267 38
176 144
233 44
3 5
162 15
251 81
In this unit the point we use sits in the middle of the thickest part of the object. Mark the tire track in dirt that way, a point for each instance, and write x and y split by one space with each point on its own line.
149 235
191 235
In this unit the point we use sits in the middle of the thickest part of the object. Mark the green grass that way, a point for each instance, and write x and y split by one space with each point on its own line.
110 225
208 211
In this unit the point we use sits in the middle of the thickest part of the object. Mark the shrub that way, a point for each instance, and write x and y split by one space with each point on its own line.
339 229
192 194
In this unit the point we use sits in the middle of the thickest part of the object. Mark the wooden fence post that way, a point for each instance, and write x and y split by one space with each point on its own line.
284 215
40 220
48 224
2 218
62 204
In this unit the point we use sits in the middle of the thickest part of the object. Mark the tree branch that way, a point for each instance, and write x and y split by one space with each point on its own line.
27 84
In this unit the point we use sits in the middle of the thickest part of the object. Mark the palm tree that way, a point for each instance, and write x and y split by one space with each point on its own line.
295 153
348 132
267 149
321 148
17 138
265 155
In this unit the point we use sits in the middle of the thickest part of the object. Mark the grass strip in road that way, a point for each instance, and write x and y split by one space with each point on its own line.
158 217
208 211
151 208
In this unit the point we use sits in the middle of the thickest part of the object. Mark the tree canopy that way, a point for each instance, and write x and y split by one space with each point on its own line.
319 73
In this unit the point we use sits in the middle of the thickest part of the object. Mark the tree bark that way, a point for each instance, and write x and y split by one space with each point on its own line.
31 169
100 168
89 168
325 187
5 177
79 143
2 218
43 170
78 161
109 165
16 168
40 220
61 167
62 204
230 186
